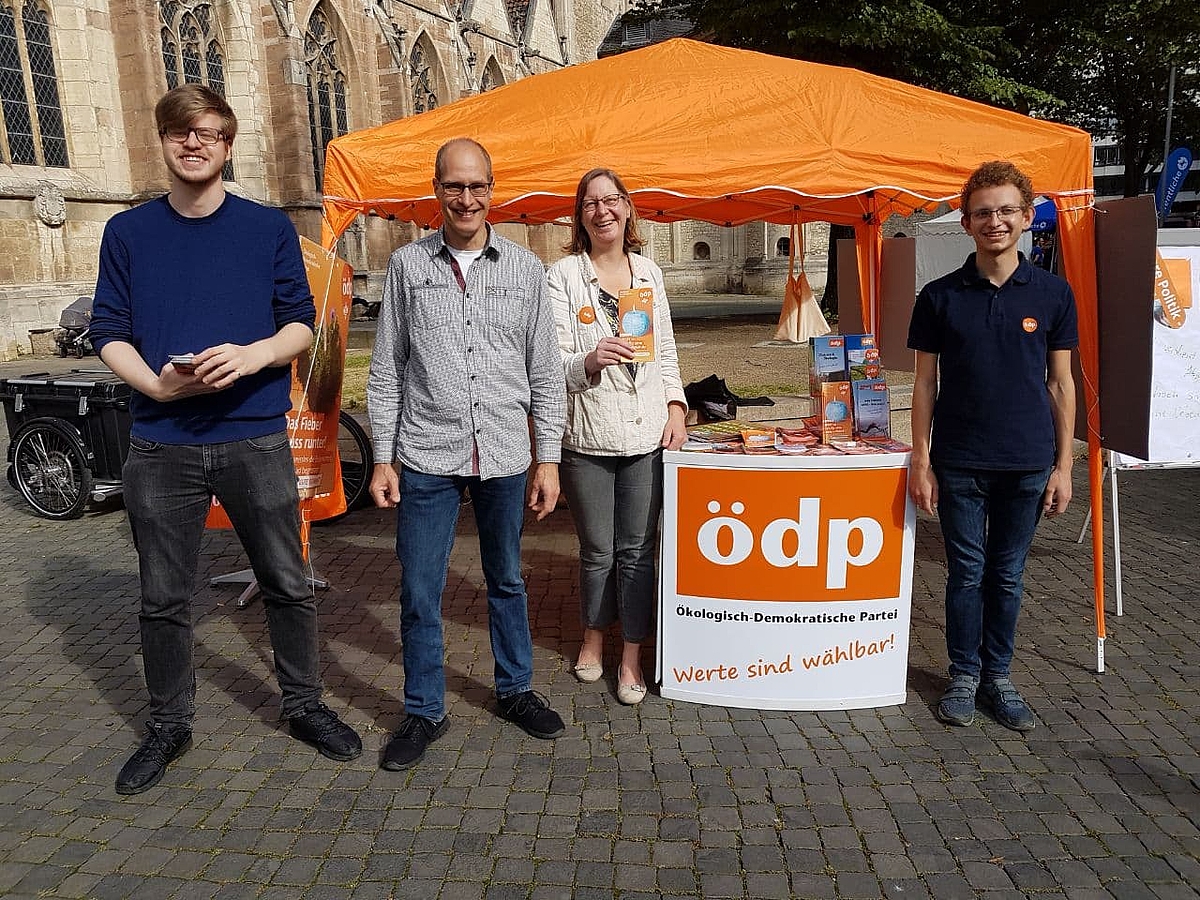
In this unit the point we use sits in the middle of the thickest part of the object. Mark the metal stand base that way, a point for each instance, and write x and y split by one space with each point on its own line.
246 577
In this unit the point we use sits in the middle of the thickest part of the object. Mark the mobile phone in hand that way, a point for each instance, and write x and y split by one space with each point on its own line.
184 362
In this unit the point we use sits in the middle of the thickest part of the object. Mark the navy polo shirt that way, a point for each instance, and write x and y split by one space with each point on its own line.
993 408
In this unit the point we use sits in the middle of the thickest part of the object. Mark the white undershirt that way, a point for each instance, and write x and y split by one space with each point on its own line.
465 257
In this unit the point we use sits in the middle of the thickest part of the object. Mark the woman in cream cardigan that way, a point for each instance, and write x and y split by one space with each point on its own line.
620 415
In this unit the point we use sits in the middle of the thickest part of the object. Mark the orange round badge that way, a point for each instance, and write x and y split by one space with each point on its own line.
1029 324
587 315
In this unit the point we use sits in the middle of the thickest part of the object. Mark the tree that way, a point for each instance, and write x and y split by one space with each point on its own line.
1101 65
1108 64
922 43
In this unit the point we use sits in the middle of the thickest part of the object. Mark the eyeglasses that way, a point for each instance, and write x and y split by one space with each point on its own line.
612 201
1004 212
207 136
456 188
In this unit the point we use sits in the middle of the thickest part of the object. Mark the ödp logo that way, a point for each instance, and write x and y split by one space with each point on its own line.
772 535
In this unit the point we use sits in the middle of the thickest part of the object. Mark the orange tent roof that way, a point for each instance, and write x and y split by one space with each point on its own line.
730 136
705 132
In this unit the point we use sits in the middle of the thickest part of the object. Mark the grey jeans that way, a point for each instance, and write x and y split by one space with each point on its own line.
616 502
167 491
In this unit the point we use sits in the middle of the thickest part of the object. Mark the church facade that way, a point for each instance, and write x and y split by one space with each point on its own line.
79 80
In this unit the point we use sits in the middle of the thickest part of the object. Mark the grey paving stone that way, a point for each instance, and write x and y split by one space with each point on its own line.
671 800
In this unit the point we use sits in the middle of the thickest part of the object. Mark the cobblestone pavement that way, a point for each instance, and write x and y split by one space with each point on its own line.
668 799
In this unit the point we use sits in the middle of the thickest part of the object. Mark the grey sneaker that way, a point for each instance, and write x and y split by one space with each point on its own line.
1006 703
957 706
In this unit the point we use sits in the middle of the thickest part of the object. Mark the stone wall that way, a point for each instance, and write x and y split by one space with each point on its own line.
108 59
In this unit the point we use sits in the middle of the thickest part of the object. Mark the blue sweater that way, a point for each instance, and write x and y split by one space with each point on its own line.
170 284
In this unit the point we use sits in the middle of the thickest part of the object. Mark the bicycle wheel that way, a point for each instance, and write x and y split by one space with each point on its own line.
354 449
50 468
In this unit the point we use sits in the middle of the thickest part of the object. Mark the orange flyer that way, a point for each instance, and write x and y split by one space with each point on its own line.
635 315
837 424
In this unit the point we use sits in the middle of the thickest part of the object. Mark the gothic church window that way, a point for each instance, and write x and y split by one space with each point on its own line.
327 116
783 246
31 130
492 76
420 75
701 250
191 50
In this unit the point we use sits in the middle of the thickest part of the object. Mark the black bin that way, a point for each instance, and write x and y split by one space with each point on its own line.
96 402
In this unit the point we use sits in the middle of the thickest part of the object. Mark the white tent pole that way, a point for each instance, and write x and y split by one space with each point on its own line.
1116 516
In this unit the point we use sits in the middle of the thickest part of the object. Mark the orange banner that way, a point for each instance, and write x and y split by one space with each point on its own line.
317 391
1172 290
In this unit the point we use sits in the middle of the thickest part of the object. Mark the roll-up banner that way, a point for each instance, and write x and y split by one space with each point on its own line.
317 373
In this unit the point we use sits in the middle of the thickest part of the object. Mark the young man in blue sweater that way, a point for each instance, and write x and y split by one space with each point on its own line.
201 272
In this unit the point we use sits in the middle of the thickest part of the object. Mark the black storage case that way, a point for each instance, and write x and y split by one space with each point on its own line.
96 402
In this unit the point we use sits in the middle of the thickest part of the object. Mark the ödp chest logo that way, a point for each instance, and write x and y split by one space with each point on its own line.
790 536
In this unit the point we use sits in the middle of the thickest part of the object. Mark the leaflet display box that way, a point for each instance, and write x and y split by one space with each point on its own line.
827 362
872 408
862 357
94 402
836 412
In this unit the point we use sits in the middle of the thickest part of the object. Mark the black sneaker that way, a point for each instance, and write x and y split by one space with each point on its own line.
145 768
408 744
319 725
532 712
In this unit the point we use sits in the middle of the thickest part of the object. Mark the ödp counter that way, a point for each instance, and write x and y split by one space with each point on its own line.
786 581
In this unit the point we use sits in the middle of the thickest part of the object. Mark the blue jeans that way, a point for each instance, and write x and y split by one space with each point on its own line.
425 525
988 519
616 502
168 490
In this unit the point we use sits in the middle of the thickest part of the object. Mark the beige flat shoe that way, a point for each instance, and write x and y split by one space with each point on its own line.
588 673
631 694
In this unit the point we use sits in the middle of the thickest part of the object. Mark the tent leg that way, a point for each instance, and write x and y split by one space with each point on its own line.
1100 655
1087 520
1116 516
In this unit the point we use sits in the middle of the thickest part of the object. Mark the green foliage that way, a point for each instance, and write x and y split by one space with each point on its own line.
1109 62
1101 65
910 40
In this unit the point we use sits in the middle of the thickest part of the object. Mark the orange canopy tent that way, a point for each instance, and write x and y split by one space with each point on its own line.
729 136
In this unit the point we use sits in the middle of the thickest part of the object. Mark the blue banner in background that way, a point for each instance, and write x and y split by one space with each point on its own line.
1174 172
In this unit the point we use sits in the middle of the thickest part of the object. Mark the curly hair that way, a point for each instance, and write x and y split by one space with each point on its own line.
995 174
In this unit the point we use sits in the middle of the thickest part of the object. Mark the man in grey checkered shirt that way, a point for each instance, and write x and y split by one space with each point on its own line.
465 354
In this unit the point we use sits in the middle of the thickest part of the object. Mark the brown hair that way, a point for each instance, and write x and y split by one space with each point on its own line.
441 155
995 174
179 108
580 242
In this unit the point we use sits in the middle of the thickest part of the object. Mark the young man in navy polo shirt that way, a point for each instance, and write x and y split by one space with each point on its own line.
999 332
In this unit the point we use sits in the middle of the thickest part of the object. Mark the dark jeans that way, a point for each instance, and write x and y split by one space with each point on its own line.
988 519
425 523
616 502
167 494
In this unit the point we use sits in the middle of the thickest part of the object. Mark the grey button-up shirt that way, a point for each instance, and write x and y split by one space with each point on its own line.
457 369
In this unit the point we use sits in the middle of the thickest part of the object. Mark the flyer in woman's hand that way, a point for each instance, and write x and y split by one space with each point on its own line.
635 314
